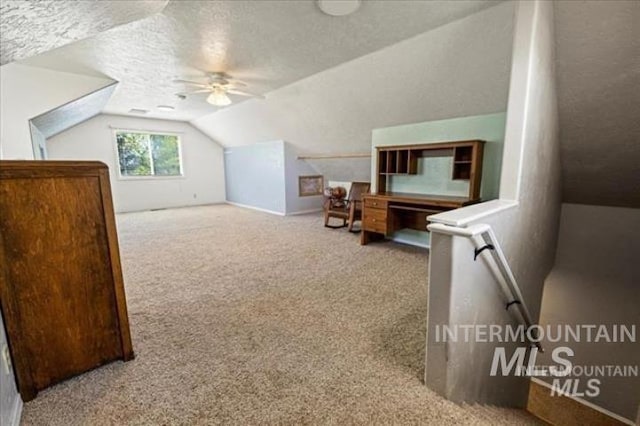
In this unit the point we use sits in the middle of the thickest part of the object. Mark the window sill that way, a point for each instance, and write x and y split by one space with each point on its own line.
137 178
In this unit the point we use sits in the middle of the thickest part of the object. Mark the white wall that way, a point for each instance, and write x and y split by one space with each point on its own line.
26 92
10 401
462 291
595 281
38 142
203 164
456 70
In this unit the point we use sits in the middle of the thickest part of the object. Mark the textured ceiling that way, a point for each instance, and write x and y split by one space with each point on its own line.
267 43
598 69
75 112
31 27
416 80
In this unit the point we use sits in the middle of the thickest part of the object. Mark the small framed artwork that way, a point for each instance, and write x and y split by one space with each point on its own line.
310 185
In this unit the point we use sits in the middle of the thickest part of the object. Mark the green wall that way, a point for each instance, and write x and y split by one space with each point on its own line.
434 173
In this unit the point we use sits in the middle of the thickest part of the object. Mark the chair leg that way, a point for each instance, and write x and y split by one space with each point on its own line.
352 213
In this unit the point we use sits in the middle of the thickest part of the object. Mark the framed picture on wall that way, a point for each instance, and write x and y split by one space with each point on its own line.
310 185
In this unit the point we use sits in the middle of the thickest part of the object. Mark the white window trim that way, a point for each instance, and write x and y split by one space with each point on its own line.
115 130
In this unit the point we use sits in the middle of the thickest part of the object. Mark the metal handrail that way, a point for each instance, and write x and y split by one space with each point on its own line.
490 242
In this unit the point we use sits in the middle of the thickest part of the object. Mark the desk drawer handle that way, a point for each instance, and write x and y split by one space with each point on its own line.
375 204
373 220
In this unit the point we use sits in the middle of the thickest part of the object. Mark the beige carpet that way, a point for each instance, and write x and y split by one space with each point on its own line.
240 317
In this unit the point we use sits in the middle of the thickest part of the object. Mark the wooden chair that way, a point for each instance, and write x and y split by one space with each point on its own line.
349 210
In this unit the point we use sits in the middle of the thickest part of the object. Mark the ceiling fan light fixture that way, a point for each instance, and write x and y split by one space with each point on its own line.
219 98
338 7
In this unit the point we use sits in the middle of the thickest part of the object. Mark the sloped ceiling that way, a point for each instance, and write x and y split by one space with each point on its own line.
598 70
269 44
458 69
31 27
75 112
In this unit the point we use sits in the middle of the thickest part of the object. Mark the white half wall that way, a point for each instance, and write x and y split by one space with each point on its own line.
264 176
203 163
26 92
462 291
255 176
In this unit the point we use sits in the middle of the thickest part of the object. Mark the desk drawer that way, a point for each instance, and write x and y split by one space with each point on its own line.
375 203
375 220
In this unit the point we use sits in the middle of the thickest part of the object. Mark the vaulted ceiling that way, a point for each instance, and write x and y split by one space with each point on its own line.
145 44
598 72
31 27
267 43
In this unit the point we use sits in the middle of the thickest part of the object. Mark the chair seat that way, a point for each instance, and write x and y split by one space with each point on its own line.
349 211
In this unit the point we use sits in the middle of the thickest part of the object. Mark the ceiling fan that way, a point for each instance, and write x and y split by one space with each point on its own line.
219 85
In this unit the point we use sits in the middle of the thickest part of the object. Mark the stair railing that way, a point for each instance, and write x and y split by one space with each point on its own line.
485 240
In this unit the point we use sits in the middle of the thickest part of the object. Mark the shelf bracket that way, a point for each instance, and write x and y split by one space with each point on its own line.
477 251
513 302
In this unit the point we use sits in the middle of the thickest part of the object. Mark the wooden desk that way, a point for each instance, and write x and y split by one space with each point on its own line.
386 212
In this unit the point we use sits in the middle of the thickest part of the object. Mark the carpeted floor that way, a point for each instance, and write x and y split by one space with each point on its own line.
240 317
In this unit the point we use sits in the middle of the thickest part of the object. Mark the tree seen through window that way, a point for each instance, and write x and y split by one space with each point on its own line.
148 154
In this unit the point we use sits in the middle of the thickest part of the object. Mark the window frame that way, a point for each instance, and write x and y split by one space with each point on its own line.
178 136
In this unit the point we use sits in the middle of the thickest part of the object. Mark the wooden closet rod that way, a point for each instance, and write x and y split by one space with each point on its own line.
331 156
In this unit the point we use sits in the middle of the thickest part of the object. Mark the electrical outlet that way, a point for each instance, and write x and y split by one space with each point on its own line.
6 359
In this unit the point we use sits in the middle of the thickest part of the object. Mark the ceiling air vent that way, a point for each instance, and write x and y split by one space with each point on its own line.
138 111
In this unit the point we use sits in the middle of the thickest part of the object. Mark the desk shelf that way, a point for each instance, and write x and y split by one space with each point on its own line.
463 162
397 162
403 161
387 212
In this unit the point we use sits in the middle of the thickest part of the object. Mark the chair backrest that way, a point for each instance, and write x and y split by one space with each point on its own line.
357 189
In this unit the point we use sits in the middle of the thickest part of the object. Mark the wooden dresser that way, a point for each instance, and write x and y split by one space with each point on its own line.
386 212
61 288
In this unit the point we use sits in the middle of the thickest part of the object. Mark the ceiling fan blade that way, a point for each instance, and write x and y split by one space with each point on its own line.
193 83
243 93
193 92
234 82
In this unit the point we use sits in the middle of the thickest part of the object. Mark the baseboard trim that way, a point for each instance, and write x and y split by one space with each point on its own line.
305 212
554 408
245 206
410 242
184 206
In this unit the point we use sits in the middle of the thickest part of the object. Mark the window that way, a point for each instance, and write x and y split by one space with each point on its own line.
148 154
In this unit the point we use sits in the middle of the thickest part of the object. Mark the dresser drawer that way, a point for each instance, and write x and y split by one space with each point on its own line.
375 220
375 203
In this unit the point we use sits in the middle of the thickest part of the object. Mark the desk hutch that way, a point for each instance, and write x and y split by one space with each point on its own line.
385 212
